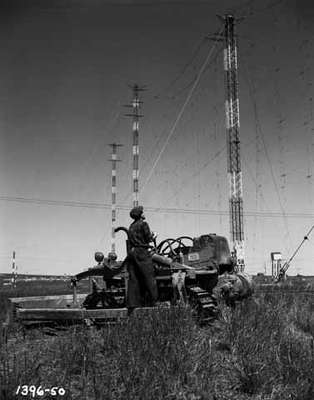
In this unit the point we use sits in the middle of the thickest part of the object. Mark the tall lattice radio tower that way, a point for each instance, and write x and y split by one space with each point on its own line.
135 115
233 141
114 159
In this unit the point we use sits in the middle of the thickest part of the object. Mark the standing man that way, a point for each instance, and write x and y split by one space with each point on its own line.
142 280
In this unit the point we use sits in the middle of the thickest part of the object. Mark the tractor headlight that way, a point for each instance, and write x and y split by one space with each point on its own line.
99 256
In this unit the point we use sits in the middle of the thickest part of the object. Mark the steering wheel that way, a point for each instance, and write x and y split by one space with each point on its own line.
171 247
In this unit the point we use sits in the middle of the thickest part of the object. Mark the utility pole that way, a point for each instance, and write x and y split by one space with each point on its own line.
14 271
233 141
114 160
135 105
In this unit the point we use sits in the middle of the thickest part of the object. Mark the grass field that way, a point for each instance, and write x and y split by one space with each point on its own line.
262 350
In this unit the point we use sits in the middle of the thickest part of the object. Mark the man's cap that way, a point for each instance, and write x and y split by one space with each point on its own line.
136 212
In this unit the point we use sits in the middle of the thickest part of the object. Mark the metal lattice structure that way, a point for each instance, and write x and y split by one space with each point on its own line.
135 105
233 141
114 160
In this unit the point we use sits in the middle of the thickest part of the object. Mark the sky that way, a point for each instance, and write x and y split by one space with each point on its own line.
66 68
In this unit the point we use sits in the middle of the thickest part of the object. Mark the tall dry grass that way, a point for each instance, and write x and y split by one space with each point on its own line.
262 350
157 356
272 346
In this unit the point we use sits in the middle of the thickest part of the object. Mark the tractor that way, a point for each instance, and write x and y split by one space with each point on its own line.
192 271
187 270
